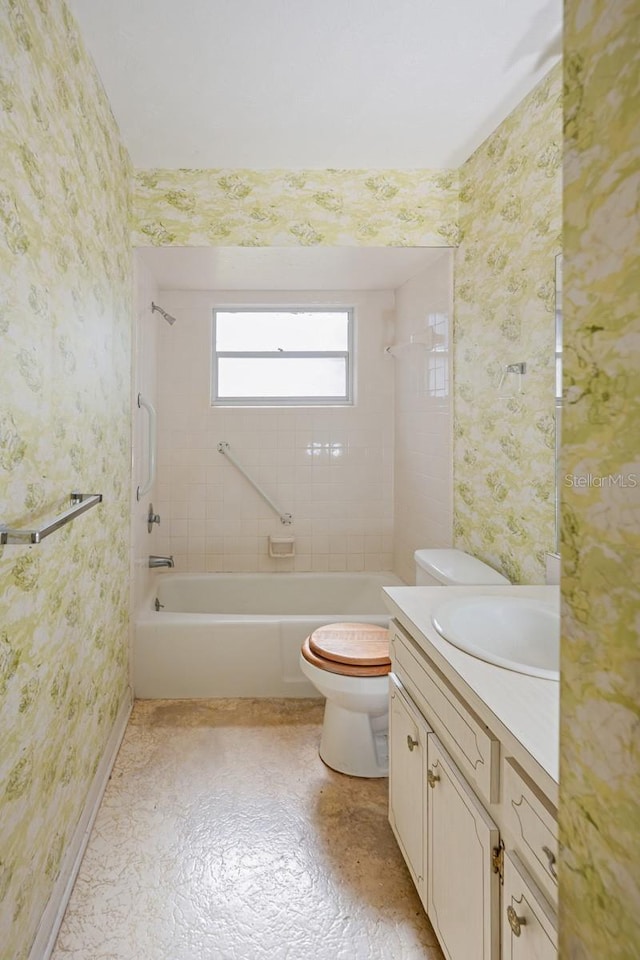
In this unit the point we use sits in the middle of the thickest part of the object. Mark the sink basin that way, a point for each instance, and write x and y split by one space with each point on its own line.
518 633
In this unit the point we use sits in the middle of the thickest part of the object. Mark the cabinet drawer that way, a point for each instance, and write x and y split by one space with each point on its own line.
528 922
532 822
473 746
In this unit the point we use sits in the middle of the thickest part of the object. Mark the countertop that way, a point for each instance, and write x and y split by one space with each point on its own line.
522 711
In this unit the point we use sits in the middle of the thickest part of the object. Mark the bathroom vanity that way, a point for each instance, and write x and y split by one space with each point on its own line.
473 784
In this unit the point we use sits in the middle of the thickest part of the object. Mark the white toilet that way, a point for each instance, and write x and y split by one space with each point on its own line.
348 663
454 568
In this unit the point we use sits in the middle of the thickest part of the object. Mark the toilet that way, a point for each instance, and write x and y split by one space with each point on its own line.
348 663
454 568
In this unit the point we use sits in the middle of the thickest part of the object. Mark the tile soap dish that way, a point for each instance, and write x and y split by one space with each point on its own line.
282 547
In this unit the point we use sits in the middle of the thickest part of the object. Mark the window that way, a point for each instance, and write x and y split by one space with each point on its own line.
438 360
282 356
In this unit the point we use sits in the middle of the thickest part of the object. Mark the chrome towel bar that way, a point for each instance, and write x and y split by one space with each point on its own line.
80 503
225 449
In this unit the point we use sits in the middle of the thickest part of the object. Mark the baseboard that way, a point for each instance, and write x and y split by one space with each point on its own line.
57 904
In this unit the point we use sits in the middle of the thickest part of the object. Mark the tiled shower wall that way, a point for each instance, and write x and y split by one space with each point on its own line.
330 467
144 381
423 481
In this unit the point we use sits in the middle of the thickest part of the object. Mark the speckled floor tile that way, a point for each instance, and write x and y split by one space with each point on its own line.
222 836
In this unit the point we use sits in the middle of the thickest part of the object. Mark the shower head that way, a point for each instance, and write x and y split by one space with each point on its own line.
163 313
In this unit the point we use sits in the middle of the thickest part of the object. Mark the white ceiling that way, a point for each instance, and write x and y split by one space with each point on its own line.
286 268
315 83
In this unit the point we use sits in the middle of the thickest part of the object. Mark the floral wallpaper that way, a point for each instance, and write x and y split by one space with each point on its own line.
504 436
600 692
65 291
295 207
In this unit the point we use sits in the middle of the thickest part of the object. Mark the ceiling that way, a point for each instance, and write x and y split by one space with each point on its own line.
315 83
286 268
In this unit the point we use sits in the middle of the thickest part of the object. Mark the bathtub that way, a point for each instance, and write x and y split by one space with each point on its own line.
239 634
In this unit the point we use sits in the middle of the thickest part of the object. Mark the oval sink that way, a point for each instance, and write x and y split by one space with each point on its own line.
519 633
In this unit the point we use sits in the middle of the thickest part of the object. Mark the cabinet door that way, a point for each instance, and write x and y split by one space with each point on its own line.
407 757
528 922
462 888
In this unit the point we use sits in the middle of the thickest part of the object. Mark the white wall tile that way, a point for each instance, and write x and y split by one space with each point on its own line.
423 481
315 463
144 380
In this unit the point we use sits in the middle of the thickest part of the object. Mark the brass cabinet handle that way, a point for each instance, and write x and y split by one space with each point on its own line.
432 778
551 858
515 922
411 743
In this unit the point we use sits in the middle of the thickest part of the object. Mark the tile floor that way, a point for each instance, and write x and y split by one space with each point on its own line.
222 836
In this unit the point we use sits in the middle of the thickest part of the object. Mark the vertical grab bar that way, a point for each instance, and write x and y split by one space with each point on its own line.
151 475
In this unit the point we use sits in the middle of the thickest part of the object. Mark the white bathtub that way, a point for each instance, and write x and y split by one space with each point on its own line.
239 634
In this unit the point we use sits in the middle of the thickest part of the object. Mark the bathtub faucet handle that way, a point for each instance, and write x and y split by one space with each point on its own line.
160 561
152 518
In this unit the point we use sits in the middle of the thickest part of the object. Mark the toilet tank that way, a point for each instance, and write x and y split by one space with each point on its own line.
438 568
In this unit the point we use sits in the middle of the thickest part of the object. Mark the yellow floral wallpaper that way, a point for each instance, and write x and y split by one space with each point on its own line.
510 232
295 207
600 692
65 316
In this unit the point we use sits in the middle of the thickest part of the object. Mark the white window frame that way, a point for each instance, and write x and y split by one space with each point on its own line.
299 401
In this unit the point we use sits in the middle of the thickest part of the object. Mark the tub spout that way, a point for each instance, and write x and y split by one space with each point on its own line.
161 561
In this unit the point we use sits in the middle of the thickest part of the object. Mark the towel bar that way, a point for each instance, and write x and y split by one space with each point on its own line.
80 502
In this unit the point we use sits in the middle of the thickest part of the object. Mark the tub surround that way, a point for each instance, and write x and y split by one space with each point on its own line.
330 467
523 711
145 381
423 416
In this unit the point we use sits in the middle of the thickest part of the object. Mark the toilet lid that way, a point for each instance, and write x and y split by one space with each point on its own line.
360 644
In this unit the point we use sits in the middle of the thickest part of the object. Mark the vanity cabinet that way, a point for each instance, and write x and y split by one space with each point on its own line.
467 819
462 887
476 750
407 765
532 823
529 923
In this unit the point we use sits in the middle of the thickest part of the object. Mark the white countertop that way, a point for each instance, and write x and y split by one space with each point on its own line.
522 711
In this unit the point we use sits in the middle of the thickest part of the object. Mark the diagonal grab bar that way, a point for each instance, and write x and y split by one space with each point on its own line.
225 449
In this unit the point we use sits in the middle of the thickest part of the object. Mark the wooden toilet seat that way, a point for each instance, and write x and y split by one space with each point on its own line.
350 649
